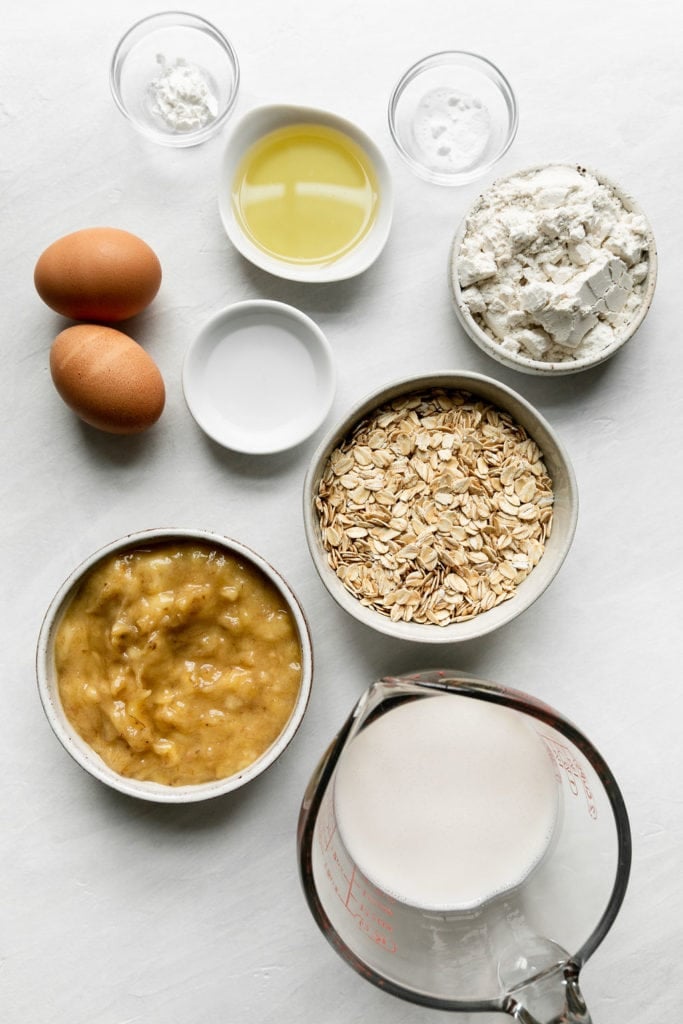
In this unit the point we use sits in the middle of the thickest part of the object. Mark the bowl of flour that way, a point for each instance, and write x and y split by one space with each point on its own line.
553 269
175 77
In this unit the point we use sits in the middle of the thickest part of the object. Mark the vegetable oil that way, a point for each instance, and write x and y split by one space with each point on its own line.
306 194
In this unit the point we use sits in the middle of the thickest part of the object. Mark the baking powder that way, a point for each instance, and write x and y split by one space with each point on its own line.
451 129
181 96
552 265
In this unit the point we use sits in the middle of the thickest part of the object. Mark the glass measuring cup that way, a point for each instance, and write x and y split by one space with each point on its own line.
519 951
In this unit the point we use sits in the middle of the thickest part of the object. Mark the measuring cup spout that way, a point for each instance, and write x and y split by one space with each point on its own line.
553 997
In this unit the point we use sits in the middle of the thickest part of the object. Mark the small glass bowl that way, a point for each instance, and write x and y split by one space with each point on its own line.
162 45
452 116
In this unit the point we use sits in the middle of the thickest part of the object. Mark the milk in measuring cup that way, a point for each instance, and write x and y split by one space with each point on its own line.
445 802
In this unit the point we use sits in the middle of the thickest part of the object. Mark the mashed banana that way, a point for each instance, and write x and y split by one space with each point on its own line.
178 663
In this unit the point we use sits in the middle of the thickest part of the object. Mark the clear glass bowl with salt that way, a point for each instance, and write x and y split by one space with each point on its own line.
452 116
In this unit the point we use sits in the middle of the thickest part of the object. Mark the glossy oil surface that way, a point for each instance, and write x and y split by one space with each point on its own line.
305 193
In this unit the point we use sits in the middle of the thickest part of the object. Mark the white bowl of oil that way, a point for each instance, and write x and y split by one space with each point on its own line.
305 194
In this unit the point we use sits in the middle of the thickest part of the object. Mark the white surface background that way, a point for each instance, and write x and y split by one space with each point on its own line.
114 911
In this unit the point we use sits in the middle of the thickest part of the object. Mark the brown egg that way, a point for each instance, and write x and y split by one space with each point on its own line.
107 378
101 274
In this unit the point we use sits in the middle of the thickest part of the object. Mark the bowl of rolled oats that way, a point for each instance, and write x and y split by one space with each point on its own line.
440 508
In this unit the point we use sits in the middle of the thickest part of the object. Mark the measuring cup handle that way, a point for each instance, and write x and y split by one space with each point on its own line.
553 998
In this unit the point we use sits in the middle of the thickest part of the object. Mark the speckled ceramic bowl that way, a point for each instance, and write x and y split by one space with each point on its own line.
525 364
83 753
539 578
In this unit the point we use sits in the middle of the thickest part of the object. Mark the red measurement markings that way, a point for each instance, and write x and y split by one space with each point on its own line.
576 777
363 902
370 911
327 832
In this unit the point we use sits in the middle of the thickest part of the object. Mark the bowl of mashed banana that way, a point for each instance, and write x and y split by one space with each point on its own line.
174 665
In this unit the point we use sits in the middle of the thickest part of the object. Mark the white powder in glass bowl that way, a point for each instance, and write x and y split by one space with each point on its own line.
553 266
451 129
181 96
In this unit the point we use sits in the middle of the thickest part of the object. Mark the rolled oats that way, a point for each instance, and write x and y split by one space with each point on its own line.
435 508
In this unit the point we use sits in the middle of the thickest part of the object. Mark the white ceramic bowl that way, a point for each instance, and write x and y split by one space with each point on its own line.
453 115
173 36
259 377
83 753
556 548
254 126
521 362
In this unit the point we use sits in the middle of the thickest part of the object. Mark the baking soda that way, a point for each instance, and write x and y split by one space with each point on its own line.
181 96
451 129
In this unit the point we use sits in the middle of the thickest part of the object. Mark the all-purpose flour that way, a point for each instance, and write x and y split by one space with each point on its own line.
552 264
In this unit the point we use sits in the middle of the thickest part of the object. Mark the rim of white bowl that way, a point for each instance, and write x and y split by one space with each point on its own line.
565 510
278 439
540 367
257 123
83 753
